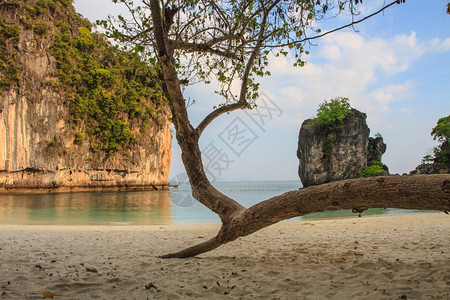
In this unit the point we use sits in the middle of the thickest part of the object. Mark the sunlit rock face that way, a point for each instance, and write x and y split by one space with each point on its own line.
37 148
326 156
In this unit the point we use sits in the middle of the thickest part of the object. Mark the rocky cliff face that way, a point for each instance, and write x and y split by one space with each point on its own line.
431 169
42 148
326 156
376 149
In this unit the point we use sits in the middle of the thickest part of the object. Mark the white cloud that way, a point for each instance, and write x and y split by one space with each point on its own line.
439 46
395 92
392 56
345 65
369 7
333 52
405 110
99 9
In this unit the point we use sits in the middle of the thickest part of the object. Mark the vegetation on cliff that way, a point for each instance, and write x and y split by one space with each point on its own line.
105 87
441 133
9 39
331 114
375 169
330 118
31 13
110 93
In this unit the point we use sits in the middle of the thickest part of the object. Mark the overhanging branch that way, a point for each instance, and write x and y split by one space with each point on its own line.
242 103
423 192
203 48
334 30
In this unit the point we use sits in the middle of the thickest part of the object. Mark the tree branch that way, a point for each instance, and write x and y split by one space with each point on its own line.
334 30
404 192
203 48
242 102
423 192
217 112
158 24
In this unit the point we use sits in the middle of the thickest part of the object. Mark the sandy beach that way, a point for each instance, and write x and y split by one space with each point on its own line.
383 257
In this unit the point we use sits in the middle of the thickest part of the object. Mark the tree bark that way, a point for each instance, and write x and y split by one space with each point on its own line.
186 135
430 192
422 192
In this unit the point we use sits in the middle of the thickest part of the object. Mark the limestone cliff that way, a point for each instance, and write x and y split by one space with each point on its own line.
327 156
431 168
47 141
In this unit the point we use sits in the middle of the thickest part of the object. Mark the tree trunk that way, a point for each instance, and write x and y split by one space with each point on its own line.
186 135
411 192
423 192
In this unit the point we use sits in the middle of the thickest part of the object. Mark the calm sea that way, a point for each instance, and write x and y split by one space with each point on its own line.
175 206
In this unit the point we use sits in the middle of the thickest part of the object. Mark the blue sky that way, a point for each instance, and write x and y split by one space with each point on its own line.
396 69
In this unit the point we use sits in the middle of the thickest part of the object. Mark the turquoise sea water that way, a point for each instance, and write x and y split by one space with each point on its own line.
175 206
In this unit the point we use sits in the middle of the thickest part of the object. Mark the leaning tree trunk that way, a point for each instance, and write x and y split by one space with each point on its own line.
425 192
430 192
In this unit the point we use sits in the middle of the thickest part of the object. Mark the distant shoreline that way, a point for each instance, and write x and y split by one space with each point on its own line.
78 189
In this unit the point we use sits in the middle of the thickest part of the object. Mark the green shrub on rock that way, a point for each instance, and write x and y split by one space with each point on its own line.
373 170
330 118
331 114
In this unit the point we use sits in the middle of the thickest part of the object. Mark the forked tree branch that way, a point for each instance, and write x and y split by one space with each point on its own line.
426 192
242 102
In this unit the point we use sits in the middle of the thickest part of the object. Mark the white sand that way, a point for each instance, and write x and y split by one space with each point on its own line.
385 257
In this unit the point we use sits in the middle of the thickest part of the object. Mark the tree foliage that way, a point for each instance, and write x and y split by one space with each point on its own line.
441 132
331 114
227 41
330 118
